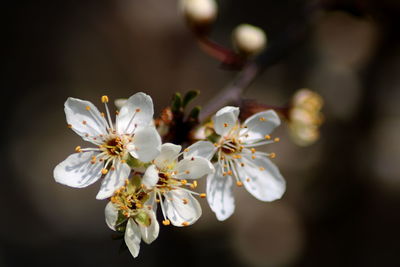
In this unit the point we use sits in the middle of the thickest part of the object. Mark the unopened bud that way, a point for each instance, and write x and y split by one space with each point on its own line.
249 39
199 12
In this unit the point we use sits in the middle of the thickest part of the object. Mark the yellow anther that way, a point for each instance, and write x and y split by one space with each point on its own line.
272 155
237 156
203 195
84 122
157 200
253 157
185 201
104 99
123 161
229 172
138 110
69 126
166 222
276 139
262 119
224 174
262 169
193 185
248 179
78 149
186 150
239 183
102 114
215 144
187 171
104 171
267 137
253 150
87 108
139 205
183 181
225 125
185 224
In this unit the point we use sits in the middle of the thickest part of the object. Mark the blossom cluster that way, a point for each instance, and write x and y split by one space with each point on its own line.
140 174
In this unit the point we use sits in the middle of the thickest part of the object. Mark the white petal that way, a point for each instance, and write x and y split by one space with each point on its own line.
132 237
146 144
111 214
150 233
259 125
225 119
193 168
114 180
137 112
177 211
77 170
150 177
265 181
168 155
84 118
220 195
203 149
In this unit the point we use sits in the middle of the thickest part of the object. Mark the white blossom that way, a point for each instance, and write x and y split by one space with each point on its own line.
165 180
238 160
132 134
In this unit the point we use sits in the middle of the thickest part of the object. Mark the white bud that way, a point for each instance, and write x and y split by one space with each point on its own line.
249 39
199 12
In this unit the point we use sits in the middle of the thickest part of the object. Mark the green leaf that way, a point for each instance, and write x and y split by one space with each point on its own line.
189 96
176 105
194 113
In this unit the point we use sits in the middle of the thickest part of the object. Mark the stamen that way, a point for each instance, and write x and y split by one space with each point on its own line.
276 139
166 222
87 108
185 201
272 155
262 119
239 183
267 137
78 149
104 171
185 224
104 99
203 195
194 184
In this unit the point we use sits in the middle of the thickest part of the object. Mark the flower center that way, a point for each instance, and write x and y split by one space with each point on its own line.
114 146
129 199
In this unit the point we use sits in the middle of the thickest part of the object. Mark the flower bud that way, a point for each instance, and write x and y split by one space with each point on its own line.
249 39
199 13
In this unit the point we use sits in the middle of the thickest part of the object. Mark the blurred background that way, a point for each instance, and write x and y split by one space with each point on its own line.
341 207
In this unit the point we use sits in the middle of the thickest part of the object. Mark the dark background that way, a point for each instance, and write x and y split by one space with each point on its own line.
342 202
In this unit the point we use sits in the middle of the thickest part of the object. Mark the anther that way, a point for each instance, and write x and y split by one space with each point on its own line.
253 157
185 224
272 155
123 161
187 172
262 119
104 171
69 126
104 99
186 150
229 172
203 195
117 112
78 149
193 185
239 183
276 139
138 205
138 110
262 169
185 201
242 164
225 125
102 114
247 179
215 144
267 137
166 222
253 150
84 122
87 108
112 168
183 181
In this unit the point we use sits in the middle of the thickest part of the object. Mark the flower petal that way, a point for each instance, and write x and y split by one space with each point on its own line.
150 177
137 112
225 119
84 118
220 195
77 170
179 213
146 144
111 214
168 155
132 237
114 180
203 149
150 233
262 178
193 168
259 125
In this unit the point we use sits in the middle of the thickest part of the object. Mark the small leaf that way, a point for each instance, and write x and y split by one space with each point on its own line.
189 96
176 105
194 113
